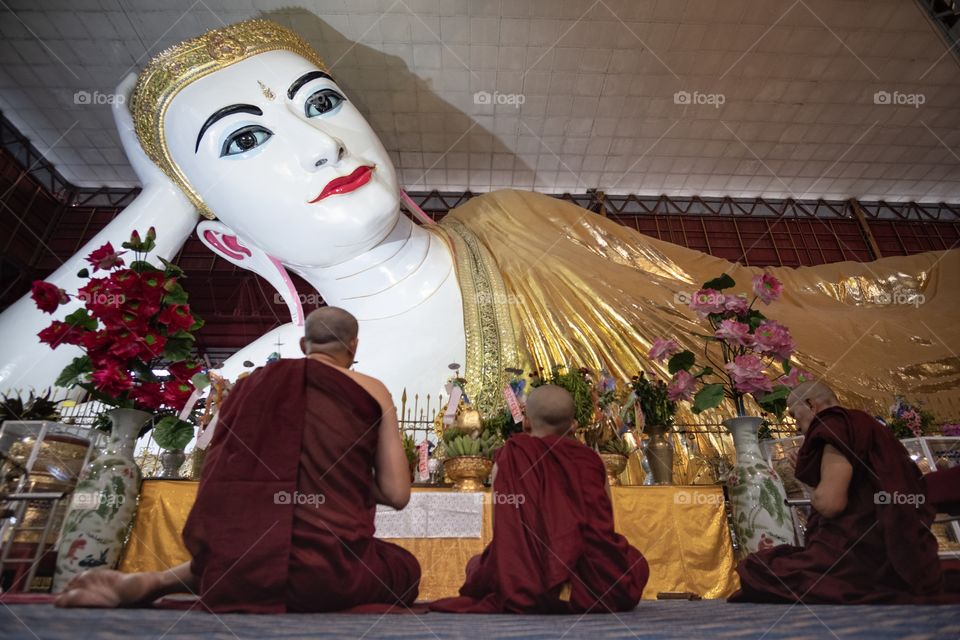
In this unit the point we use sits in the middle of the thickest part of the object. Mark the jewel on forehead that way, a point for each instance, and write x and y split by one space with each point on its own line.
267 93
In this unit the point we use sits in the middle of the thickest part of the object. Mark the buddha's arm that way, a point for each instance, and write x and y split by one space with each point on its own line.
24 361
830 496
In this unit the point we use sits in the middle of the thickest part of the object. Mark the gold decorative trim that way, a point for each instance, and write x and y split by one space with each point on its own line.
177 67
491 338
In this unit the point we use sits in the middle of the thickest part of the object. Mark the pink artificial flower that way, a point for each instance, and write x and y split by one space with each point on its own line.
707 301
747 373
795 377
663 348
736 333
681 386
736 304
773 338
766 287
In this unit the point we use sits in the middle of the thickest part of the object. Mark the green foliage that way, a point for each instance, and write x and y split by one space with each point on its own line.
410 450
75 372
36 407
776 401
709 396
579 386
81 319
681 361
172 434
720 283
651 396
502 422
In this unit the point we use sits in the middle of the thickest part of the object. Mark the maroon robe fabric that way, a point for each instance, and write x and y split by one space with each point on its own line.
283 519
554 549
878 550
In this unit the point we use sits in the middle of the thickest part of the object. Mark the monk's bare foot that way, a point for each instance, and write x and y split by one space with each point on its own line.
104 588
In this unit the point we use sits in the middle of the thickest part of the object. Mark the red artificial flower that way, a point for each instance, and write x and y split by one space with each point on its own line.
177 317
105 258
95 342
111 378
125 345
48 296
153 343
175 393
184 370
149 394
61 333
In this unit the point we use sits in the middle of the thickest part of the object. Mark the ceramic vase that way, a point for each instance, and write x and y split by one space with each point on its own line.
761 519
171 461
660 454
104 502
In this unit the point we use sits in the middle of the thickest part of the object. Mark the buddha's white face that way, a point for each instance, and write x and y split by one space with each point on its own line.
301 175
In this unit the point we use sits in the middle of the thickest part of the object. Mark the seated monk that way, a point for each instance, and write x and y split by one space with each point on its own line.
283 521
553 549
868 538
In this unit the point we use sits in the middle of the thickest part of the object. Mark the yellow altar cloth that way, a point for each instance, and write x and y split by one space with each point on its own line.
681 530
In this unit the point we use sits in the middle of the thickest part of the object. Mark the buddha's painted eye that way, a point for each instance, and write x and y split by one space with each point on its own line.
245 139
321 102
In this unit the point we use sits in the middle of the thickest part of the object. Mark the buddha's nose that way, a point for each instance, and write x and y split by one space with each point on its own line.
326 152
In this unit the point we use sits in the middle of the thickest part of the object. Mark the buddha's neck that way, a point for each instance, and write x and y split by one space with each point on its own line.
403 271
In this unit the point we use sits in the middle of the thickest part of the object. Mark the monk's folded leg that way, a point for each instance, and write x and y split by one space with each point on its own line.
397 578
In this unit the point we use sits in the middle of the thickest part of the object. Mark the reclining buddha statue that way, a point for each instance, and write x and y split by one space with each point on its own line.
246 127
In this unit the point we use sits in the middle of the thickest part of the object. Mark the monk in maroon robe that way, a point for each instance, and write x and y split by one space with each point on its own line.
868 538
283 520
554 549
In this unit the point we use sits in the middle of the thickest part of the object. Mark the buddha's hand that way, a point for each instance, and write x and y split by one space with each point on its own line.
149 174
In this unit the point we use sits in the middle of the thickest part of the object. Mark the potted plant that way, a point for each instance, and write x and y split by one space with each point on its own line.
133 320
655 413
751 348
909 420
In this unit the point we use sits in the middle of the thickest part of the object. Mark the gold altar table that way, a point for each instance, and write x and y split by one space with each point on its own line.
681 530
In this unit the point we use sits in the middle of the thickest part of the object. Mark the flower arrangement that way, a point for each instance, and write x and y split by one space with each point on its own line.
909 421
951 430
652 402
750 344
135 320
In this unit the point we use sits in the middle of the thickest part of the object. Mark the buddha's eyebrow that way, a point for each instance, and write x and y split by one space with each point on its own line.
223 113
304 79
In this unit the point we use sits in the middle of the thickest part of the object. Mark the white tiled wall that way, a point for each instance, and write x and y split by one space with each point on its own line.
598 79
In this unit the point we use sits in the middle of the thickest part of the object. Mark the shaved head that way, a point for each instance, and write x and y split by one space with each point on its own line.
813 390
808 399
330 330
550 411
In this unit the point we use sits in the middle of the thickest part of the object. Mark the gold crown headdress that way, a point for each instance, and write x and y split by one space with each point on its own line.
178 66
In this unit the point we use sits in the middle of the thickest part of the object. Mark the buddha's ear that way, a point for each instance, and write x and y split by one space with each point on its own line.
221 239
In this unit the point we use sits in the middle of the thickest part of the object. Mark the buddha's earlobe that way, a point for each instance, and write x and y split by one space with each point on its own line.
222 240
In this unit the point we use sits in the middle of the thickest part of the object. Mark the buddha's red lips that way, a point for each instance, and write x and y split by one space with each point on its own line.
345 184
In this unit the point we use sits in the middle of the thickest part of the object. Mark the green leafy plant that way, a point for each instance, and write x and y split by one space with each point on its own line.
35 407
653 401
410 450
172 434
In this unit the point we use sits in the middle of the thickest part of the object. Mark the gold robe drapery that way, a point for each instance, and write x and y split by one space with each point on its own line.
582 290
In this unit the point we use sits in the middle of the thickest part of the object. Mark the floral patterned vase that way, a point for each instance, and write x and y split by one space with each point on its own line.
104 503
760 517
